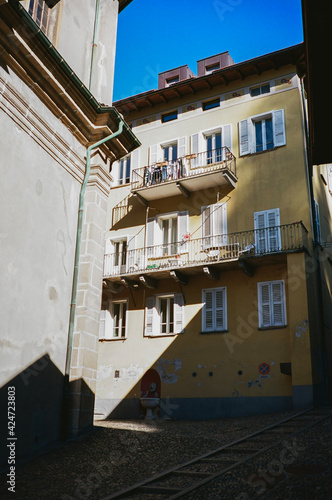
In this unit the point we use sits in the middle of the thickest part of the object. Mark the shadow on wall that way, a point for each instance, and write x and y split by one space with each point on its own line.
34 402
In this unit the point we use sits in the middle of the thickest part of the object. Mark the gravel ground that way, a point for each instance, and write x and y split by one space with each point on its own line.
118 454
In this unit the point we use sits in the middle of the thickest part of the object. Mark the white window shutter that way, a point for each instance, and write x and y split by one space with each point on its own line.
264 304
245 136
220 309
150 226
115 172
277 304
207 310
183 218
109 255
131 254
182 147
135 160
273 221
207 226
150 316
178 313
279 128
102 322
194 149
227 137
153 154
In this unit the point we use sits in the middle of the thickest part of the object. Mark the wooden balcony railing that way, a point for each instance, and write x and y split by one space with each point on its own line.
207 250
184 167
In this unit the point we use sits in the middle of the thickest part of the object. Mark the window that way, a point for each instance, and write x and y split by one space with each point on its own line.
210 145
171 152
214 225
262 132
120 255
39 12
124 171
271 304
172 80
263 89
214 317
211 68
267 231
113 320
168 151
164 314
214 103
165 234
167 117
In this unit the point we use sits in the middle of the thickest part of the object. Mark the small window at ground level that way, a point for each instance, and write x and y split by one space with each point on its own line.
214 103
168 117
263 89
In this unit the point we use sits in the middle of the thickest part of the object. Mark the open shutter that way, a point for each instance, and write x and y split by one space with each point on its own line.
134 163
150 226
102 324
155 154
194 150
150 313
109 258
182 147
220 309
207 310
178 313
219 218
277 304
245 137
207 229
131 254
279 128
183 218
264 304
227 138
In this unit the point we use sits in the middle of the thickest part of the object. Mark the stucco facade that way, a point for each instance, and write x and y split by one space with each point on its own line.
231 324
49 335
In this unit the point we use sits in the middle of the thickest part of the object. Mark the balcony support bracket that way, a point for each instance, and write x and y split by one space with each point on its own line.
212 272
149 282
246 268
229 179
130 283
140 198
183 190
179 277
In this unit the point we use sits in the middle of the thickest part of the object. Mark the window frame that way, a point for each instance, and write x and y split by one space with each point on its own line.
123 165
247 133
152 322
211 68
211 104
169 116
267 232
271 305
260 87
36 6
214 328
106 326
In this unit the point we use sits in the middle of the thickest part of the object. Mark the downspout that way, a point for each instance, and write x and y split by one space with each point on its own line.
94 44
76 268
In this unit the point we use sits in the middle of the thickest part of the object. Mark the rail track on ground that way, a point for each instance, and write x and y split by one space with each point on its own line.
184 478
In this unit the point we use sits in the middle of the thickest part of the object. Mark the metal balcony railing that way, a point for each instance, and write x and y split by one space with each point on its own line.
208 250
184 167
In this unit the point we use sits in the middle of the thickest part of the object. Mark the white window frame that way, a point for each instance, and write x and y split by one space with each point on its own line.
247 133
123 164
199 144
106 325
267 231
153 315
213 310
269 306
210 68
260 89
33 8
154 234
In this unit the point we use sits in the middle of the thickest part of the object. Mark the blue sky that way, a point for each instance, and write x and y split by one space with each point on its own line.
158 35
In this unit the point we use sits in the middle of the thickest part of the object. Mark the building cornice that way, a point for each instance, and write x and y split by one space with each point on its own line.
26 51
223 77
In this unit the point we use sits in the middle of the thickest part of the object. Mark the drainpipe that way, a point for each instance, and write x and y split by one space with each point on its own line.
76 268
94 44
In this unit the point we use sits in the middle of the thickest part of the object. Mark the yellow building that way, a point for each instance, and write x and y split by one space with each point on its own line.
210 277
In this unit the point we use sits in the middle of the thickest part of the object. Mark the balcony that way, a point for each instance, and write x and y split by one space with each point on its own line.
190 253
186 174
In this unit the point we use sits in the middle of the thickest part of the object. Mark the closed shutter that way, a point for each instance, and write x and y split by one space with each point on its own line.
260 233
277 304
273 233
131 257
220 310
279 128
264 301
227 138
150 312
182 147
183 218
267 240
245 135
207 310
178 313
